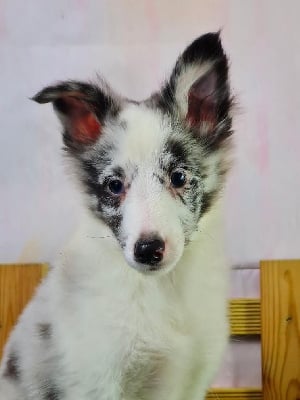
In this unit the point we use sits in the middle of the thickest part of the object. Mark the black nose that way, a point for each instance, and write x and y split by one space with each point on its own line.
149 250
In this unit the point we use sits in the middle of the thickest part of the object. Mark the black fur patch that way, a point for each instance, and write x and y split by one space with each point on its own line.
105 198
208 200
92 170
44 330
52 393
195 196
178 152
12 370
115 223
186 153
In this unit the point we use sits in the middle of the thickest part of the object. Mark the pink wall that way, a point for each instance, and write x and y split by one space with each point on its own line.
134 44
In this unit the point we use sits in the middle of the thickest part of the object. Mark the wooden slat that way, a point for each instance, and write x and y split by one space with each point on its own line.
17 284
244 316
280 297
236 394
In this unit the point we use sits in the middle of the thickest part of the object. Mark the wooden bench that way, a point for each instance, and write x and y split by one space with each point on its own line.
275 317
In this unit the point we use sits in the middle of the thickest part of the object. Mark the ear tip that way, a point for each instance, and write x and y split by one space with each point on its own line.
42 97
35 98
213 40
205 47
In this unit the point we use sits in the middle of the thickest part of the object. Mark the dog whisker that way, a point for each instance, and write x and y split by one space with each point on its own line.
99 237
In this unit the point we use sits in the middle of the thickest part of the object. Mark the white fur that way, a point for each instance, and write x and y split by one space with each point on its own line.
190 74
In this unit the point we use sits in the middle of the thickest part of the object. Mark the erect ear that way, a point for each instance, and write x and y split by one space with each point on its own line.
198 87
82 109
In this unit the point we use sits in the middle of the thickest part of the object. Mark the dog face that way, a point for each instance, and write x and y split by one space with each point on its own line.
151 169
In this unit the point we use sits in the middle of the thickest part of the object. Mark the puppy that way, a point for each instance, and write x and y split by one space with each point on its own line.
135 306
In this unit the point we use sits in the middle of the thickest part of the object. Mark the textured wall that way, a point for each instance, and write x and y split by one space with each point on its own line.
134 44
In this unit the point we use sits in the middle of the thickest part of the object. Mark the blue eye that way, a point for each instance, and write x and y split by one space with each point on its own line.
116 186
178 179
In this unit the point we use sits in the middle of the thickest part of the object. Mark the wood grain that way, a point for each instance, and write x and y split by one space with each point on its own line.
17 285
280 304
244 316
236 394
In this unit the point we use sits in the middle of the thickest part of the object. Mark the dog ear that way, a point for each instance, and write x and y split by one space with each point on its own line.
198 88
82 109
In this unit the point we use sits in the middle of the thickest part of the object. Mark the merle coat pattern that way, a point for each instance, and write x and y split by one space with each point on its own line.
135 306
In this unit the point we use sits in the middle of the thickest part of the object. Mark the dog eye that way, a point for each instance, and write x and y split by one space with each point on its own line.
116 186
178 178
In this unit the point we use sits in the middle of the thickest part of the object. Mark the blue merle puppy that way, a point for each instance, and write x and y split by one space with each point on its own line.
135 306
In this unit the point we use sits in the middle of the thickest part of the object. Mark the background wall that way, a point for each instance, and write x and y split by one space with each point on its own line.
134 45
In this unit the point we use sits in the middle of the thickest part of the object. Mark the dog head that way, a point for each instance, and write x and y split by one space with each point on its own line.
151 169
